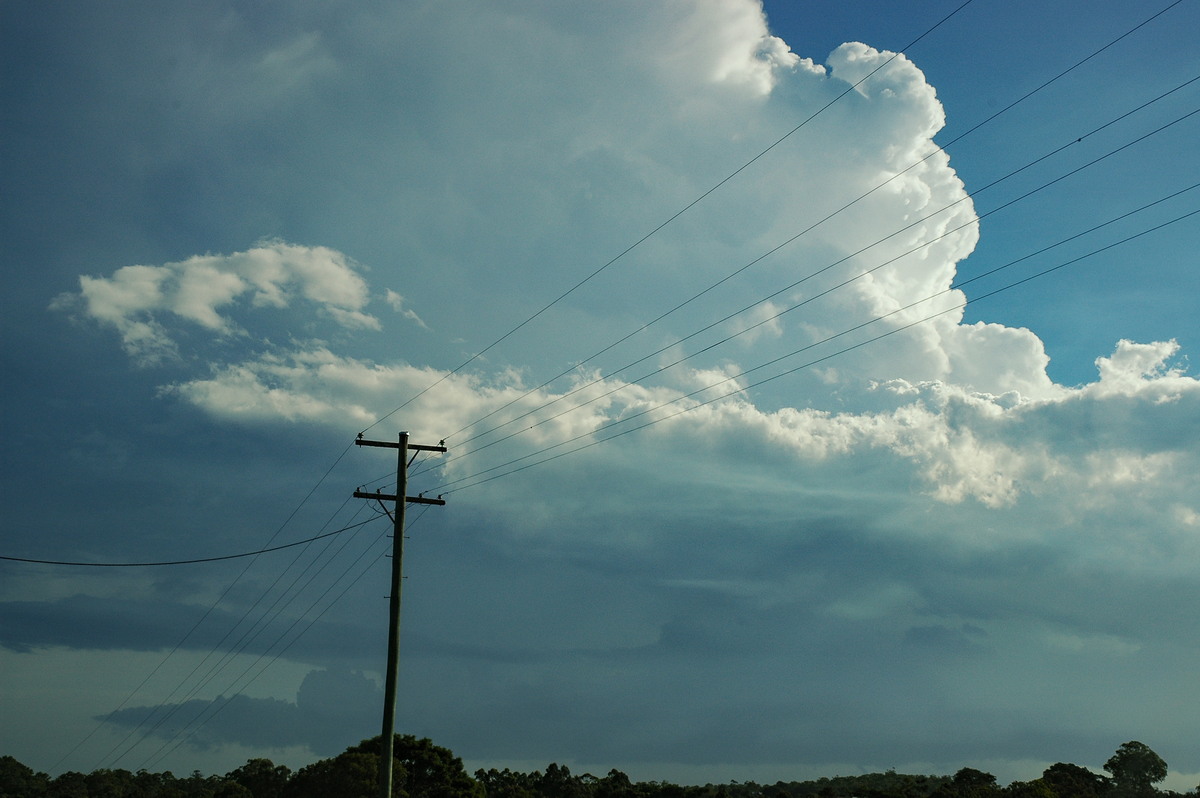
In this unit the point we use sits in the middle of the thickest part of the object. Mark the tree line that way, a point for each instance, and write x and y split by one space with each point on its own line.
425 770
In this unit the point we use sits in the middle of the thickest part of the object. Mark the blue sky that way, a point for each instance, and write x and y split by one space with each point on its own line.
236 236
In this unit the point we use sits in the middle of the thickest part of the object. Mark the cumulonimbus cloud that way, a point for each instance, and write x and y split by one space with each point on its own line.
945 397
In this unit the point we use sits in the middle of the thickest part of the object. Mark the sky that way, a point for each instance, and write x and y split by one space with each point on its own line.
816 380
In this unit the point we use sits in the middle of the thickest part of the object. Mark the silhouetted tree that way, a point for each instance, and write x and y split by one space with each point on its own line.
232 789
1135 769
425 770
18 780
262 777
969 783
347 775
1037 788
615 785
68 785
105 783
1072 781
506 783
558 781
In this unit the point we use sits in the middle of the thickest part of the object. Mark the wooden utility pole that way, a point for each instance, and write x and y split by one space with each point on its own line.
393 658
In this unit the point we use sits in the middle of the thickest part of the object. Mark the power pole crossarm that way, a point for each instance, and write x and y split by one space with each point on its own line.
390 445
391 497
402 499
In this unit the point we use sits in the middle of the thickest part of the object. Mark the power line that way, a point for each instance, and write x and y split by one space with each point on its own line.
236 648
216 708
186 636
759 301
220 558
235 688
447 488
813 226
248 637
664 224
228 588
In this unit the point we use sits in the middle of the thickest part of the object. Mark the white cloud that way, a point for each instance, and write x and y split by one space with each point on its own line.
731 43
900 93
963 445
1132 363
200 289
143 302
996 359
758 322
397 302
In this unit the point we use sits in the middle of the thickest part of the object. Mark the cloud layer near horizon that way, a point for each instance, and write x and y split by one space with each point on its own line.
918 550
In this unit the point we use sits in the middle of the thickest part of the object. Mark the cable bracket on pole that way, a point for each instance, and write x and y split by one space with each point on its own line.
394 445
391 497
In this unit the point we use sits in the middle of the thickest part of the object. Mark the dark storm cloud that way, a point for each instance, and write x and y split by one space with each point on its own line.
331 707
945 640
91 622
111 624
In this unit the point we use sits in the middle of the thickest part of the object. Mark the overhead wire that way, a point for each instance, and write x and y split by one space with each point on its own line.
248 637
263 661
252 633
187 635
212 653
479 478
444 488
210 609
758 302
675 216
217 663
238 685
933 151
196 561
